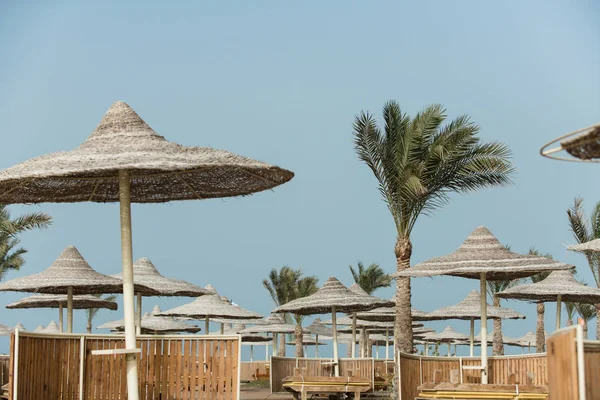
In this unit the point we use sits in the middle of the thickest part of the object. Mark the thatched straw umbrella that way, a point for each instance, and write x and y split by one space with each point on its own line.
470 309
69 274
145 273
80 302
582 144
249 339
333 297
124 160
319 328
558 286
448 335
51 328
39 328
154 325
388 314
210 306
593 246
275 325
483 257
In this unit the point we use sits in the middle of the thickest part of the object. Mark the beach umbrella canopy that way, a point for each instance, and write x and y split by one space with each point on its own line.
308 340
319 328
332 297
470 309
388 314
79 302
39 328
145 273
270 328
124 160
248 337
153 324
591 246
210 306
20 327
69 274
51 328
482 256
557 287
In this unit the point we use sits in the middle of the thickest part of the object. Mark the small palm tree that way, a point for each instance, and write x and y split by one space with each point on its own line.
91 313
11 255
494 287
371 278
418 162
585 229
571 309
286 285
586 312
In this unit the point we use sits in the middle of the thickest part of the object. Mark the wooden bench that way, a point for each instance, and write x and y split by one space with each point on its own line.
449 391
300 385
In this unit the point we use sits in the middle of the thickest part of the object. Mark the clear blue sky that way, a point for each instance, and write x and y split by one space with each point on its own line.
281 82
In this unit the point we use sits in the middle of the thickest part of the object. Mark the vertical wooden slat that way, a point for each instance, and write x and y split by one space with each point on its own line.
201 362
221 381
158 368
197 368
234 370
186 370
228 371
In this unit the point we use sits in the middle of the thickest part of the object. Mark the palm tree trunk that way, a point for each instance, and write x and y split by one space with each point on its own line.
540 335
349 355
281 345
299 344
89 327
403 326
498 344
361 343
585 329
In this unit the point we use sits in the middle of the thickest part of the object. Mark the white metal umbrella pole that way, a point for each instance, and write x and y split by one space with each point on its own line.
336 367
128 295
60 317
274 344
251 352
353 335
472 338
138 316
558 310
483 291
267 351
70 310
449 348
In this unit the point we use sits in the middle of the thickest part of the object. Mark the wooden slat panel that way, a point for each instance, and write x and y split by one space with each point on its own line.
562 366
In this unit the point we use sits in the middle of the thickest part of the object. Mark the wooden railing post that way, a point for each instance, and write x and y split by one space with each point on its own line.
15 394
82 359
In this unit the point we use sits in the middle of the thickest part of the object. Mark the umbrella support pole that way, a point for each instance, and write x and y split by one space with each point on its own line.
317 346
449 348
353 335
70 310
128 295
426 348
222 328
472 338
335 341
206 325
558 311
387 343
267 351
60 317
251 352
274 344
138 316
482 294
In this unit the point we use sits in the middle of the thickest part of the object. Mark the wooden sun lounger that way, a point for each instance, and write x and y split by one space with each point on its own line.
444 391
300 386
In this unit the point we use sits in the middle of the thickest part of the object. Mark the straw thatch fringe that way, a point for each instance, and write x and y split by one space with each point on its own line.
480 253
585 146
161 171
210 306
55 300
470 308
69 270
558 282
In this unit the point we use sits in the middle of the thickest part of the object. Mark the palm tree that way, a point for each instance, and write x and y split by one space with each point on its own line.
11 255
418 163
286 285
540 333
494 287
585 229
571 309
90 313
586 312
371 278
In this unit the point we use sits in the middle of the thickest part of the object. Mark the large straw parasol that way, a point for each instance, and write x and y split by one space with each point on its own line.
318 328
124 160
145 273
558 286
483 257
59 301
387 314
210 306
51 328
448 335
591 246
274 324
333 297
69 274
470 309
153 324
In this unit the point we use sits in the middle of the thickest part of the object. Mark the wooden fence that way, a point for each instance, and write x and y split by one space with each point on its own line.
4 366
573 365
62 367
415 370
282 367
248 369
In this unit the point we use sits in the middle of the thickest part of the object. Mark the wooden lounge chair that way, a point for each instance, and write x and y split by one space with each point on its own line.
301 385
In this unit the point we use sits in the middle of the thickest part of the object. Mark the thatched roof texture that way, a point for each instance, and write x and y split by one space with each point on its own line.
153 324
585 146
470 308
333 293
480 253
161 171
591 246
561 283
69 270
83 301
211 306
